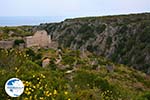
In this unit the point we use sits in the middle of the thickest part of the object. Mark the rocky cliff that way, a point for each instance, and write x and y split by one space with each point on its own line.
124 39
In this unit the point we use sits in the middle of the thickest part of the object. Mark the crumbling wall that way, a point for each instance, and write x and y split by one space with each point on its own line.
40 39
6 44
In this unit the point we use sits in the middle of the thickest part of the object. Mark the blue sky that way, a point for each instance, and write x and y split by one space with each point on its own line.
72 8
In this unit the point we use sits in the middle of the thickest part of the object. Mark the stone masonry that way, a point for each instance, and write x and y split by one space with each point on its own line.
6 44
39 39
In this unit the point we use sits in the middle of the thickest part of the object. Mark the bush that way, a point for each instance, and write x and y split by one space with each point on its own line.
100 28
68 60
17 42
92 48
85 29
84 79
145 36
9 58
146 96
86 32
109 41
102 84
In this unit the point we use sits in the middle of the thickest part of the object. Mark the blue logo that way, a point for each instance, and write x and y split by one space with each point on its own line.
14 87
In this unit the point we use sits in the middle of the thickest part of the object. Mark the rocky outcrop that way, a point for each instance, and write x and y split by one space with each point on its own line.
124 39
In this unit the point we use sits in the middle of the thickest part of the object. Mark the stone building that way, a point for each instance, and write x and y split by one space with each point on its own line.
39 39
6 44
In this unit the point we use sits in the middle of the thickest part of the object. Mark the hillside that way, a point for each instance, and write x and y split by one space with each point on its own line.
76 77
16 31
124 39
96 59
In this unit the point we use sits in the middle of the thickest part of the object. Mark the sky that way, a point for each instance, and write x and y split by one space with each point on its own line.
72 8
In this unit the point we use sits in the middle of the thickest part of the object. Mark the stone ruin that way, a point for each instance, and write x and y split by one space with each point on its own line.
39 39
6 44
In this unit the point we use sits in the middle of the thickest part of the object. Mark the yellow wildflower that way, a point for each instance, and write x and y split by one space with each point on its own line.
27 89
28 93
41 98
30 97
39 82
50 93
37 85
55 92
43 76
25 98
65 92
34 87
16 68
35 97
33 76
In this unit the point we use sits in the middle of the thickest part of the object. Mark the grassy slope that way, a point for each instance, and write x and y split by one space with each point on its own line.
18 31
84 83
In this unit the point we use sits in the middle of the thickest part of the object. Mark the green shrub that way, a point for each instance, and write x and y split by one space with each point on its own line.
145 36
146 96
18 41
85 29
92 48
67 59
86 32
123 29
100 28
9 58
84 79
109 41
102 84
52 64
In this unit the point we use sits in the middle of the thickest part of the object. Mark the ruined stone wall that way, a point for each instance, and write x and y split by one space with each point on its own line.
29 42
53 45
40 39
6 44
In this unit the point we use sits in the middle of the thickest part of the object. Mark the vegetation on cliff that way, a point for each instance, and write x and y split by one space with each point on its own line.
123 39
18 31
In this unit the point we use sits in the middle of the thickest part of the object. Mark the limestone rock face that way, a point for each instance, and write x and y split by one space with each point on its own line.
123 39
